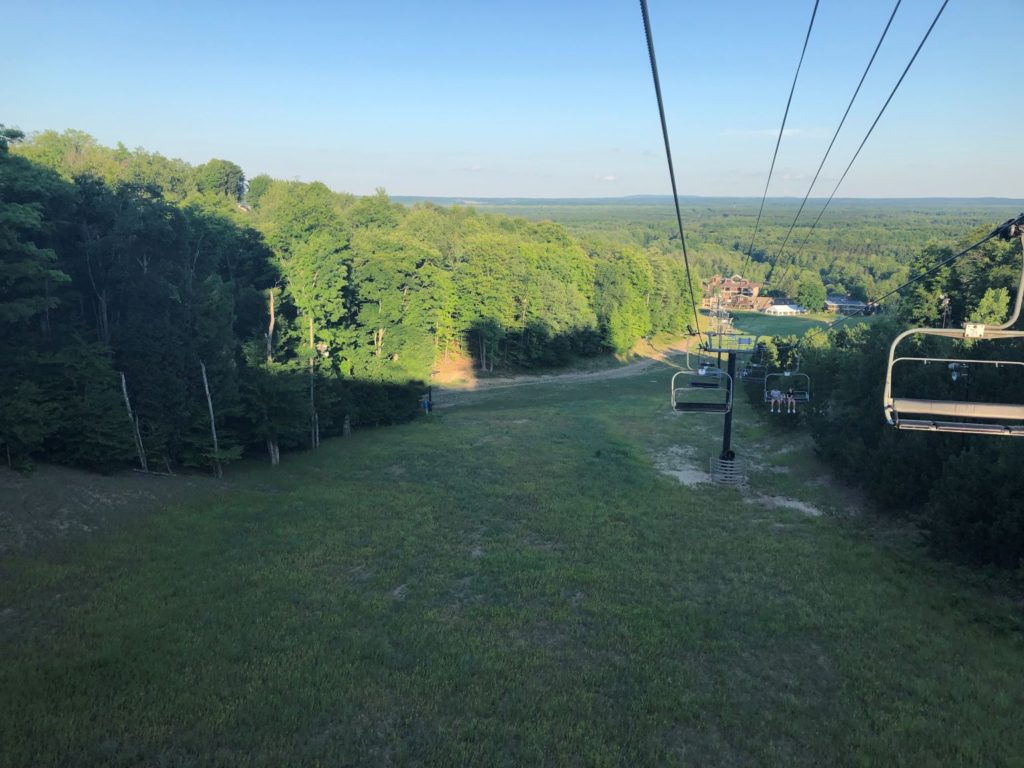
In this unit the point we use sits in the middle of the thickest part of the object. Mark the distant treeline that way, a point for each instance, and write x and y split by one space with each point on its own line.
966 492
147 305
861 248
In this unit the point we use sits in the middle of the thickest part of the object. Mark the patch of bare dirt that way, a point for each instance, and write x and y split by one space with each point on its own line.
784 502
677 461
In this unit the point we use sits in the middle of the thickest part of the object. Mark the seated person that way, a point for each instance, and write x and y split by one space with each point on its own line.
776 399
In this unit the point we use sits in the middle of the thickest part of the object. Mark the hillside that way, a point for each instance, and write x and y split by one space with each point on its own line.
530 575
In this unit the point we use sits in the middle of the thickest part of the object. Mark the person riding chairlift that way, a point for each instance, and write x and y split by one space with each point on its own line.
776 399
790 401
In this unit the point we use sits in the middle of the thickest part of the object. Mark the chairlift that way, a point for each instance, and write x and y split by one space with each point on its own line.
695 360
730 341
705 390
754 373
955 416
784 381
756 369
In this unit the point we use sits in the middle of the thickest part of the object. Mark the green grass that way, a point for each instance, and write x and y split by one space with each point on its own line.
767 325
509 582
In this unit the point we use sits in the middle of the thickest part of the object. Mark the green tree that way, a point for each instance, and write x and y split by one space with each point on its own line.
810 292
221 177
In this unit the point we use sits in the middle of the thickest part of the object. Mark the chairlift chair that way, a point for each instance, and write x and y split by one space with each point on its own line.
754 373
695 360
784 381
706 390
730 341
971 418
756 369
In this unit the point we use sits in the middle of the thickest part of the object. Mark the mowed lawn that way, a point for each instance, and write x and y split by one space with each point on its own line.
510 582
767 325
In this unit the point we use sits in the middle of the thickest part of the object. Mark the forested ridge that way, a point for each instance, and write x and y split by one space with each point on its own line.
172 315
861 248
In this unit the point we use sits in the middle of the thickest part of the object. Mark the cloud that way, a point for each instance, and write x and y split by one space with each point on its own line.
609 177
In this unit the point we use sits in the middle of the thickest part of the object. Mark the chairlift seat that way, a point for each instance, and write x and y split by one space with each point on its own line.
960 427
958 409
684 407
798 396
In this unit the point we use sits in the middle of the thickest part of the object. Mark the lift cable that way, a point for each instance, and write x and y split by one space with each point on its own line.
668 154
1007 230
866 136
778 141
776 262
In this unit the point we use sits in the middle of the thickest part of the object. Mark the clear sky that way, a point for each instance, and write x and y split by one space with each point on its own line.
533 98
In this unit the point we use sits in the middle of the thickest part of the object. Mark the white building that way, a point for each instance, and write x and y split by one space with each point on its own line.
785 309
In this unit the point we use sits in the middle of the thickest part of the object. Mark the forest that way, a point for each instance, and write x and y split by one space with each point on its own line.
159 314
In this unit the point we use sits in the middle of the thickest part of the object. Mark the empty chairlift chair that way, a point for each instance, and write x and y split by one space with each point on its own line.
756 369
958 416
730 341
705 390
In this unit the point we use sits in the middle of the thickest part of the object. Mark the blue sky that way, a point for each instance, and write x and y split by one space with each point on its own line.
542 99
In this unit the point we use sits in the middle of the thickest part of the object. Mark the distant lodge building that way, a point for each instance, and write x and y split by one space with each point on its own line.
734 292
844 305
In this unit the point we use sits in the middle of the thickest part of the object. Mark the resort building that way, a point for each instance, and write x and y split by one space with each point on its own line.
734 292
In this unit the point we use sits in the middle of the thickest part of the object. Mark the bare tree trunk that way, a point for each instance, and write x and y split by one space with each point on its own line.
270 329
46 314
275 452
346 427
134 420
483 353
213 422
446 350
103 318
314 421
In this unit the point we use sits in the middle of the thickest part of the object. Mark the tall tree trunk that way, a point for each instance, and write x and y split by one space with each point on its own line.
213 422
483 353
134 420
270 329
104 320
275 452
314 422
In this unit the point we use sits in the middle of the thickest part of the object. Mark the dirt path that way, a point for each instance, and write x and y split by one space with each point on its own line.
649 354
